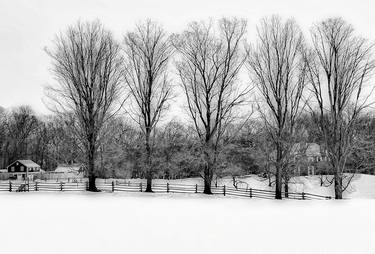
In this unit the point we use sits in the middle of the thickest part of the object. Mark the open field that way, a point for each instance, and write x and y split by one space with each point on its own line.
63 223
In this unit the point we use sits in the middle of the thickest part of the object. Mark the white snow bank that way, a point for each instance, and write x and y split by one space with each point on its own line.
136 223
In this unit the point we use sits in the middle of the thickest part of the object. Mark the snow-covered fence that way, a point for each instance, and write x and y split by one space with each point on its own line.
114 186
42 186
219 190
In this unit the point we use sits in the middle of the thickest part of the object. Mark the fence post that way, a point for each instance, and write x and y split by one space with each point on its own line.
113 186
251 192
303 195
224 190
10 186
36 186
196 188
167 187
61 186
140 186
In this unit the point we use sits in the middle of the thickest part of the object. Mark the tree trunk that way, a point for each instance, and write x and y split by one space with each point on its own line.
148 163
207 169
269 180
286 188
92 185
338 184
149 183
278 189
91 166
207 180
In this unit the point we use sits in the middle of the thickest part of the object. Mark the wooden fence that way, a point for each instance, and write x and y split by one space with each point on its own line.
157 188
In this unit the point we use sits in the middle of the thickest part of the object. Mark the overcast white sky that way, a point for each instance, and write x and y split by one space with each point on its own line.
27 26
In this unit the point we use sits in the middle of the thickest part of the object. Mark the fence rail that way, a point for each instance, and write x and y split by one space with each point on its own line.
113 186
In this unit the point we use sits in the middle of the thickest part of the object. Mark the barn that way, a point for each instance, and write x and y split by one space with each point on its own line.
23 169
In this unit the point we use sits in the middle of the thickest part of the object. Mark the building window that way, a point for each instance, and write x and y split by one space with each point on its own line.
12 169
22 168
310 170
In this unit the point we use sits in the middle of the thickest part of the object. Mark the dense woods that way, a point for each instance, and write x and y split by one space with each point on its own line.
253 105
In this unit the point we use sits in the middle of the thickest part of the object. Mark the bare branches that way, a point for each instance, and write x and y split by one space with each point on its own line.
209 64
278 70
208 69
148 52
339 64
88 67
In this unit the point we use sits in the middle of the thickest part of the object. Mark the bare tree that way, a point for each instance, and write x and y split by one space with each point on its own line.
19 126
3 137
87 64
148 50
208 64
277 69
340 64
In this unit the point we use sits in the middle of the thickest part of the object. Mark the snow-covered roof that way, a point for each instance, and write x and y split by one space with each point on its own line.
313 149
68 168
307 149
28 163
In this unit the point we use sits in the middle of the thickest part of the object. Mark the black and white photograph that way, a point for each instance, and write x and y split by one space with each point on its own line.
187 127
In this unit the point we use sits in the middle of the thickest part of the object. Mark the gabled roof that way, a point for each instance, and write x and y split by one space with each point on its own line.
28 163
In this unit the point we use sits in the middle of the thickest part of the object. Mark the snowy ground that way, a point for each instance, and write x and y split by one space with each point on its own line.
82 222
54 223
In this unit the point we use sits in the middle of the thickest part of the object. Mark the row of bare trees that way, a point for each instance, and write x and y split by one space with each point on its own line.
97 78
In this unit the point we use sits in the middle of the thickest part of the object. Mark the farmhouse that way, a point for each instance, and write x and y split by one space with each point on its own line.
23 169
308 157
305 158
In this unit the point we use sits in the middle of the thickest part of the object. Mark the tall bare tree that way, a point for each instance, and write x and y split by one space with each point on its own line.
277 68
208 64
148 51
87 64
340 64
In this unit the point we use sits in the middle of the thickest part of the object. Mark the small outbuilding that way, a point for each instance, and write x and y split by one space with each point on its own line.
23 169
69 169
66 171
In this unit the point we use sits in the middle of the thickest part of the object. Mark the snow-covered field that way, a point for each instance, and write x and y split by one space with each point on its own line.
54 223
82 222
